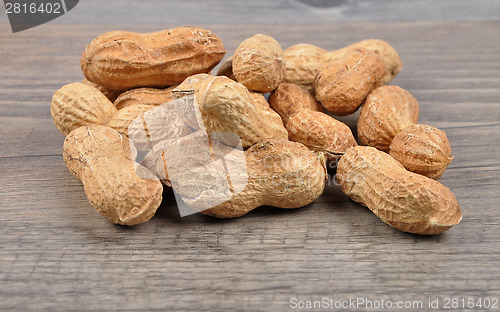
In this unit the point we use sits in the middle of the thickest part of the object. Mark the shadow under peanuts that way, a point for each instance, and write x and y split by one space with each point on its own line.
169 210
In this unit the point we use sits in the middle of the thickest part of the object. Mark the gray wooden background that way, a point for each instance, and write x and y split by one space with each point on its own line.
58 254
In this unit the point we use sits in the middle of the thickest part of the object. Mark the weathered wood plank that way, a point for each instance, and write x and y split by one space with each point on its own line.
283 11
57 254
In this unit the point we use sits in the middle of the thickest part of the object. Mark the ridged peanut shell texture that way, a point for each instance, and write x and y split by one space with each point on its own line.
121 60
147 125
422 149
281 173
259 100
227 106
110 94
124 117
321 133
258 63
144 96
183 154
406 201
290 98
381 47
118 188
386 111
76 104
303 62
185 95
342 86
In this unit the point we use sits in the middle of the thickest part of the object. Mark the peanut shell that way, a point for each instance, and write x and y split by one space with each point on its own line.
342 86
280 173
146 125
320 133
110 94
121 60
258 63
184 94
303 62
381 47
290 98
406 201
386 111
190 85
76 104
175 156
422 149
121 190
227 106
259 100
144 96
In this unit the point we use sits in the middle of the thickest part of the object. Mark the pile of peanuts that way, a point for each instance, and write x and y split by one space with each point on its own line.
154 93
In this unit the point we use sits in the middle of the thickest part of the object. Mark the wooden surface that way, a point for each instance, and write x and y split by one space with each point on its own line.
58 254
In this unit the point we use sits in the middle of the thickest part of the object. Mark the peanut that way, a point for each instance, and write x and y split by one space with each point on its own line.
384 49
190 85
259 100
290 98
422 149
320 133
386 111
406 201
146 125
343 85
110 94
175 156
227 106
280 173
185 95
121 60
76 104
144 96
101 158
303 62
258 63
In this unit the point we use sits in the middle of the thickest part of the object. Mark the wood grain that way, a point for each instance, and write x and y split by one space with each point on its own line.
57 254
281 11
